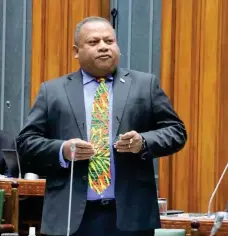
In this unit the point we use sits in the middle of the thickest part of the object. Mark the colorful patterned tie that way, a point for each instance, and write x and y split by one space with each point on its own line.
99 165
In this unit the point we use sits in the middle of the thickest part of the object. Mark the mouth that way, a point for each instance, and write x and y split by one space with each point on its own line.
104 57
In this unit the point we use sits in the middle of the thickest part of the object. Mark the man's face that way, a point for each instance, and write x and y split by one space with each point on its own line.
97 49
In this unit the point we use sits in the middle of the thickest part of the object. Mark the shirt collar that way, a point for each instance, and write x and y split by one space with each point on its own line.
87 78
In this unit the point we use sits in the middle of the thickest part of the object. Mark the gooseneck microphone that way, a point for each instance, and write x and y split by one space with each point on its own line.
217 223
216 188
8 105
18 160
72 150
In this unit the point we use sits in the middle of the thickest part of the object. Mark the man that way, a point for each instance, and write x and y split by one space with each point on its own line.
6 142
118 120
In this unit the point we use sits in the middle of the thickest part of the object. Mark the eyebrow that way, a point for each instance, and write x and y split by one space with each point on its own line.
96 37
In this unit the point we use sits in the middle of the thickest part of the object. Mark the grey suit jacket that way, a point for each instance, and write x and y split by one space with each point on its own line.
59 114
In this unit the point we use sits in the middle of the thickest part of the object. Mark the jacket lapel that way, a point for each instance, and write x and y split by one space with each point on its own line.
121 87
75 95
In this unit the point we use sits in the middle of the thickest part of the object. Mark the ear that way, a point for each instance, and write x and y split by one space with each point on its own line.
75 49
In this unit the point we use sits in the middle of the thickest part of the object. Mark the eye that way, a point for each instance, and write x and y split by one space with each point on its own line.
92 42
109 41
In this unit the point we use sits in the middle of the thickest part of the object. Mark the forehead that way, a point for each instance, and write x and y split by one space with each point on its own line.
96 28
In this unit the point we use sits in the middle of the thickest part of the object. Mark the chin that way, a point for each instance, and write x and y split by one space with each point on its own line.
106 68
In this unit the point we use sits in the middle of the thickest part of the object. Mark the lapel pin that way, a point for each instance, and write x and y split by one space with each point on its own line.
122 80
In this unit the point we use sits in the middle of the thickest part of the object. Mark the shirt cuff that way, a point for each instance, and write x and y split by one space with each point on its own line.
144 150
64 163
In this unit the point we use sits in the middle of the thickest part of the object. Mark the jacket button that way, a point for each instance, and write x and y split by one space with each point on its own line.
84 177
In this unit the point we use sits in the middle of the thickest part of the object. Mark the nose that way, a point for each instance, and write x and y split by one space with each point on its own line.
103 47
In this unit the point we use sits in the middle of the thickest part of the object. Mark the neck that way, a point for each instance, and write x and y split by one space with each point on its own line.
99 75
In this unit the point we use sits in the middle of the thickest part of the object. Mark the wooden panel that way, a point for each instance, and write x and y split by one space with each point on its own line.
209 100
55 41
222 153
194 75
37 67
182 92
54 24
167 77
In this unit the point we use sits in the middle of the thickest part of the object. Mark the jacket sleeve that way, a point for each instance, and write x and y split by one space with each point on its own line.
33 144
168 135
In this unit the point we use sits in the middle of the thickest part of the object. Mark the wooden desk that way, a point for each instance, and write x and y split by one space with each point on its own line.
37 188
185 223
26 187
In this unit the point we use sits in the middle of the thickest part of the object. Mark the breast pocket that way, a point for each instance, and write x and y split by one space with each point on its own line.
136 115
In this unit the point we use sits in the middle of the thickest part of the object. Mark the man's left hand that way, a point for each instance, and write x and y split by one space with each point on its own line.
129 142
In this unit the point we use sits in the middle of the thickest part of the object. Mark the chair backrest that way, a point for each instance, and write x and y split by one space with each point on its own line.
2 199
170 232
11 207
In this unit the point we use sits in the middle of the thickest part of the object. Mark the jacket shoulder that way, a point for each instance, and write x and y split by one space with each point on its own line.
61 80
139 74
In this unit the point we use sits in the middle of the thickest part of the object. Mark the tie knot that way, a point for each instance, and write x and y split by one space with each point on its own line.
100 80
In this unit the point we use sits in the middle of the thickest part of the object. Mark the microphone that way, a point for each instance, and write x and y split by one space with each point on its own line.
72 149
217 223
226 210
18 160
8 105
216 188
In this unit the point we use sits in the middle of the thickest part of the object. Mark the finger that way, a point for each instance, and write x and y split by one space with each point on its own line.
124 150
84 151
128 135
123 142
81 158
126 147
84 144
83 155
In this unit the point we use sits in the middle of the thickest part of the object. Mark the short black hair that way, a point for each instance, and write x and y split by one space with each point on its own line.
84 21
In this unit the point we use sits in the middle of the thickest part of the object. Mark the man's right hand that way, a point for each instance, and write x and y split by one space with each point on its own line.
84 150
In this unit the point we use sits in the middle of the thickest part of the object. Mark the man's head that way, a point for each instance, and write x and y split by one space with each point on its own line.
96 47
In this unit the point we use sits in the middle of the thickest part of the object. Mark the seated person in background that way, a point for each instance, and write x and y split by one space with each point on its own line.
6 142
30 208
